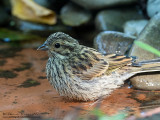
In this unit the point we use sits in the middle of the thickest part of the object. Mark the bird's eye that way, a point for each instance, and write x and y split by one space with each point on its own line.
57 45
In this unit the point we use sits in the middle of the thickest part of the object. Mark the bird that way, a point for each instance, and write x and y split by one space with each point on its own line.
78 72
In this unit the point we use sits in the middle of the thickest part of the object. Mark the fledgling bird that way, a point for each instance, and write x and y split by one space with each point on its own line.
82 73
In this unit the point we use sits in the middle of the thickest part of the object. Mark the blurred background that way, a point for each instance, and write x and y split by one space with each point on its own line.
23 20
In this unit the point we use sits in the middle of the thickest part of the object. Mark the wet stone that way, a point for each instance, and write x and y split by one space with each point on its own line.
114 19
147 81
97 4
38 29
134 27
29 83
108 42
151 36
153 117
7 74
73 15
44 3
153 7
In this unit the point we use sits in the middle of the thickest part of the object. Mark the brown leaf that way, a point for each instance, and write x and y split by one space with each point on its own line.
29 10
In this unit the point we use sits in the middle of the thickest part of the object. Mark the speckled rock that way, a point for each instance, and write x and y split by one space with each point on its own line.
73 15
96 4
153 7
146 81
112 42
151 36
114 19
134 27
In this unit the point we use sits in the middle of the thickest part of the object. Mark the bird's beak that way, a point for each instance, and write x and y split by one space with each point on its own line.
43 47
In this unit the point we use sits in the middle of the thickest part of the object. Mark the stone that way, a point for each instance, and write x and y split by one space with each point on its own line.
38 29
151 36
55 5
109 42
97 4
147 81
44 3
134 27
153 7
114 19
73 15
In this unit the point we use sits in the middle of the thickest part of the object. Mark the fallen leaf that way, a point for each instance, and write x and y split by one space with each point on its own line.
31 11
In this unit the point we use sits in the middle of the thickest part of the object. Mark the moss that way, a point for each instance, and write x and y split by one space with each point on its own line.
9 52
44 58
24 66
29 83
2 62
42 77
7 74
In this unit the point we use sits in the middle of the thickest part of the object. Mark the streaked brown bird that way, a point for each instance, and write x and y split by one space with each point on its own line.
82 73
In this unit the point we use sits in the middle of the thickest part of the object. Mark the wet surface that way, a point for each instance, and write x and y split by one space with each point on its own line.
25 91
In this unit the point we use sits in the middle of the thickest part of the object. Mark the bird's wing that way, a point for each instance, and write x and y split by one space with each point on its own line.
89 64
117 62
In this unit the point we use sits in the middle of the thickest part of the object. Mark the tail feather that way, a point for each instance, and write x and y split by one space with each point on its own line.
146 66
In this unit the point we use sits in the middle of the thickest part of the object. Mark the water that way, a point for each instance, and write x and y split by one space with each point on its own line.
24 87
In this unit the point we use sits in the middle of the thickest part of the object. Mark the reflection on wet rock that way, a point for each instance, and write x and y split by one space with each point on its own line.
113 42
151 36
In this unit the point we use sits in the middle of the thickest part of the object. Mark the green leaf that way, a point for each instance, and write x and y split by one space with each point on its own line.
147 47
16 35
119 116
97 112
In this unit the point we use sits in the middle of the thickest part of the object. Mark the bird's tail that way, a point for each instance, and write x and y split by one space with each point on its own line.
146 66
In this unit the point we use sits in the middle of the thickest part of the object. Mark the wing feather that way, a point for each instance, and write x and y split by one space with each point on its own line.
93 64
90 63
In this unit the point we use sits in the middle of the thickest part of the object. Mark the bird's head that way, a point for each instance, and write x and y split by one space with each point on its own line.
59 44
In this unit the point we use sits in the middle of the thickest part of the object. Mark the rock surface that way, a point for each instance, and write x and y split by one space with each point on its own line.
151 36
114 19
112 42
73 15
134 27
153 7
97 4
38 29
147 81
